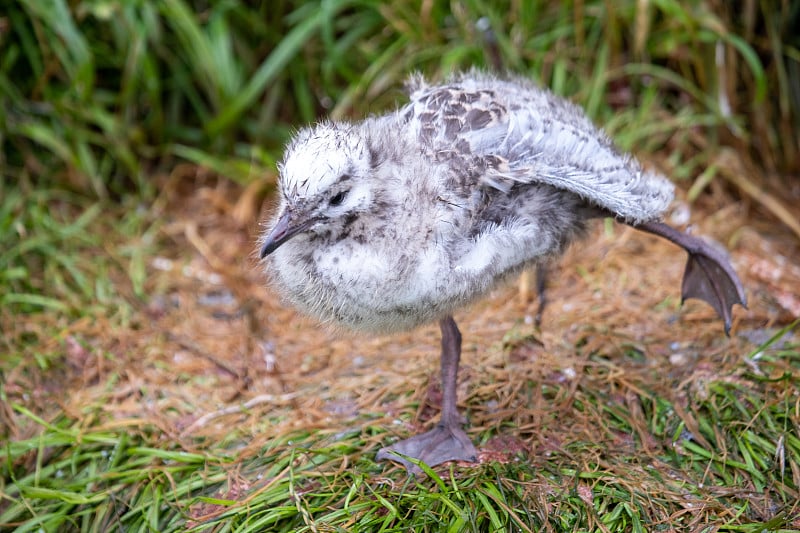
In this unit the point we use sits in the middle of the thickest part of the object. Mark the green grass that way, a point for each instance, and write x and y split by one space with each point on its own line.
104 91
99 101
726 456
64 257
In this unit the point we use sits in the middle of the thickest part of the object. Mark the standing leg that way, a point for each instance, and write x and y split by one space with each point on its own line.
451 355
447 441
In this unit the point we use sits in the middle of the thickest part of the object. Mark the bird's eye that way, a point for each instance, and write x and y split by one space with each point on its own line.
337 199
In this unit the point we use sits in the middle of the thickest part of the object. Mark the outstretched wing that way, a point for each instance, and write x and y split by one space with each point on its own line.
513 132
507 132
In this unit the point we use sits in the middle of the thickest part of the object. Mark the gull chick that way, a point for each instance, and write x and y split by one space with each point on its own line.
401 219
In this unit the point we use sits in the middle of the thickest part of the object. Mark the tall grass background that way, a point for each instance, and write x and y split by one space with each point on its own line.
99 99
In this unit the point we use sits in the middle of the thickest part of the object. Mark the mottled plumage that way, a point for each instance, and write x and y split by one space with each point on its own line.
444 198
403 218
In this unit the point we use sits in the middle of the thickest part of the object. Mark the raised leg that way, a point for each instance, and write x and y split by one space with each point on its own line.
447 441
709 275
541 290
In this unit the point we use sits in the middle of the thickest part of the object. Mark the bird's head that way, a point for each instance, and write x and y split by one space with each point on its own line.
324 183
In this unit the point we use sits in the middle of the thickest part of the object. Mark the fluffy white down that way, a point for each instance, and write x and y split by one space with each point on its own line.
409 216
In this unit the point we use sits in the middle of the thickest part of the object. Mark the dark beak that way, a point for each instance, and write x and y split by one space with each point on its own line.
285 228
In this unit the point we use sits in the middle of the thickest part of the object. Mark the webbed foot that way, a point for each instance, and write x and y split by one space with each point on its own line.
437 446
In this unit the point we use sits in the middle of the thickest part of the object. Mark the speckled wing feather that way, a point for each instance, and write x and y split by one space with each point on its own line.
514 132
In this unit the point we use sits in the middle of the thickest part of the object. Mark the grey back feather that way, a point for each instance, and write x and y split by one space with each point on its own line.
524 134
